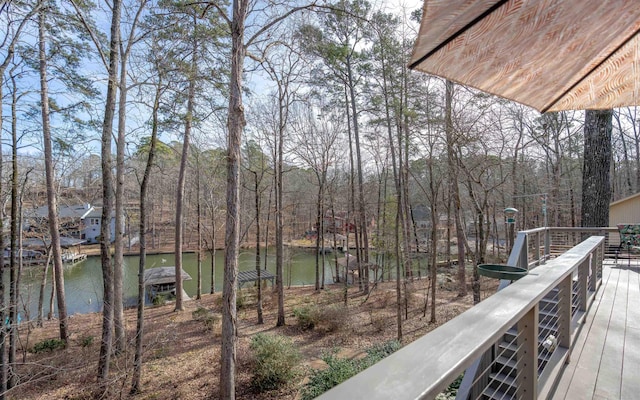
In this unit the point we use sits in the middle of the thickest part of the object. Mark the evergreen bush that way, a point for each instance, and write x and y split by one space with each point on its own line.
339 370
275 361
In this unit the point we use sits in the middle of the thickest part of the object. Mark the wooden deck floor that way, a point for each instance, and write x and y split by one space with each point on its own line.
605 361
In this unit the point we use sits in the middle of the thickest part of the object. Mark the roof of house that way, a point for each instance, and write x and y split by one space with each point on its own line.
96 212
625 199
420 212
75 211
65 242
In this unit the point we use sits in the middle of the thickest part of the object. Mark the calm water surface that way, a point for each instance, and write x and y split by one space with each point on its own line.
83 281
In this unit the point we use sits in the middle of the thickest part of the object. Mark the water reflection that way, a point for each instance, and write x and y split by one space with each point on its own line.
83 281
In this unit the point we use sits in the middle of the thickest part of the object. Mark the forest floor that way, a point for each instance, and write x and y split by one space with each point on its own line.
181 355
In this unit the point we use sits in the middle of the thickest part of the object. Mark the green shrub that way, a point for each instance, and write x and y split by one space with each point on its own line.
379 351
451 392
86 341
308 316
208 318
378 321
48 345
275 361
159 300
321 380
333 317
241 301
339 370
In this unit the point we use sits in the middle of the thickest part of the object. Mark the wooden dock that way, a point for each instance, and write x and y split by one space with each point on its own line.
252 276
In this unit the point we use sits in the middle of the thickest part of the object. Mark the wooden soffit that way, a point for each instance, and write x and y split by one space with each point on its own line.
549 54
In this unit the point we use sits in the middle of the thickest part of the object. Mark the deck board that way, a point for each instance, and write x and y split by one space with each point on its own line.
609 378
606 356
631 359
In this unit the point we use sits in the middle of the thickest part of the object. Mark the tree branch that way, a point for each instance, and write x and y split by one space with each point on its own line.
275 21
94 38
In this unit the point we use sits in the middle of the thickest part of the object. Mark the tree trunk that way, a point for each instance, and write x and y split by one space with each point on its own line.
279 228
454 190
54 228
136 385
398 223
107 198
52 296
319 249
10 50
235 124
258 261
119 340
14 249
212 250
3 332
362 218
596 186
199 228
43 285
182 174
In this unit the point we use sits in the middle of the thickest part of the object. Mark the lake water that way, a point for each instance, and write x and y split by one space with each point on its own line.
83 281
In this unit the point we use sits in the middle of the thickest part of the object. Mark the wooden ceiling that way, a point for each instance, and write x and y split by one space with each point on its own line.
549 54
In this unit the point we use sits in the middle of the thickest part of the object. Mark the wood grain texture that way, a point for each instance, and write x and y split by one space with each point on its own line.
549 54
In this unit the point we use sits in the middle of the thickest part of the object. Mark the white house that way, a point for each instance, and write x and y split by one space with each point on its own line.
78 221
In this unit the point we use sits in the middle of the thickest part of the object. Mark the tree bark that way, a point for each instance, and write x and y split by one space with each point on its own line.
235 124
279 224
54 228
107 198
454 192
14 275
596 184
362 218
258 260
119 341
183 170
136 385
199 228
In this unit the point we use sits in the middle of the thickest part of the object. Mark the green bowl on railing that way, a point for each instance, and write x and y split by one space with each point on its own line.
500 271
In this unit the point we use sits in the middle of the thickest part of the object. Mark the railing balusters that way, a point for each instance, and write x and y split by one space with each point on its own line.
583 283
565 291
527 362
425 367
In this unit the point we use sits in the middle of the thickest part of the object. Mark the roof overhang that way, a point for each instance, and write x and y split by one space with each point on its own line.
549 54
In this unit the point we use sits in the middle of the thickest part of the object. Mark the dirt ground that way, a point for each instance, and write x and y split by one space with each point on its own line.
181 356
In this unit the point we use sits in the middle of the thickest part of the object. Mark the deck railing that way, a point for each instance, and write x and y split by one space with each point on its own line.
534 247
505 330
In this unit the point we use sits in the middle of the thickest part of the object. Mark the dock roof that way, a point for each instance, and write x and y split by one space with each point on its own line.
162 275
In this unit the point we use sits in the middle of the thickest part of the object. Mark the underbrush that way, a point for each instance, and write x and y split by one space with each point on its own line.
310 316
341 369
275 361
48 345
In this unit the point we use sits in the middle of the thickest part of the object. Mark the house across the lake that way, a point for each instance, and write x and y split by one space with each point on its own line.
81 221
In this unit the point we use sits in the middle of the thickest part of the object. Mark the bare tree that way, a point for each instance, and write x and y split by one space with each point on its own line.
54 229
144 189
107 196
118 259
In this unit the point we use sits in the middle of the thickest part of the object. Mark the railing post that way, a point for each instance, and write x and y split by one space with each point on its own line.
527 363
547 243
564 313
593 269
537 246
583 284
524 254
